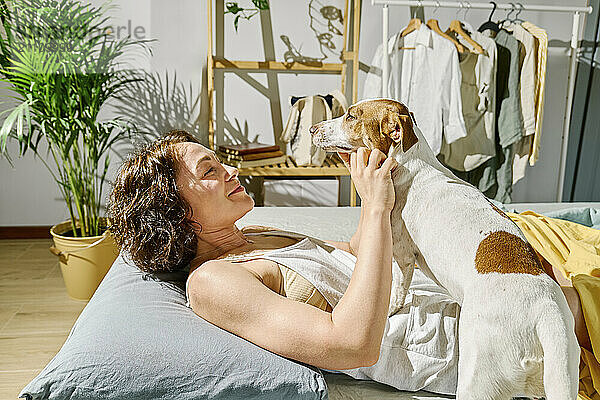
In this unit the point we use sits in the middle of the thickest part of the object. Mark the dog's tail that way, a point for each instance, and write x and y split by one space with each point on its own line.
555 330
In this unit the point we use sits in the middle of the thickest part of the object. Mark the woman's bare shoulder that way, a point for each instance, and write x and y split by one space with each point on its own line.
266 271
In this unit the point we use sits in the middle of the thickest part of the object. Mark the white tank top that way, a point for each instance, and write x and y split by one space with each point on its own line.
325 267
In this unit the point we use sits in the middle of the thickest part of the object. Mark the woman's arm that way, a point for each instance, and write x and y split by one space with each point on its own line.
352 246
366 300
235 299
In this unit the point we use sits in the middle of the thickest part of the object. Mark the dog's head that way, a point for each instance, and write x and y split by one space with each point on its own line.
371 123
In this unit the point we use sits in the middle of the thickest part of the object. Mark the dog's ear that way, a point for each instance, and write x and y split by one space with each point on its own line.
399 127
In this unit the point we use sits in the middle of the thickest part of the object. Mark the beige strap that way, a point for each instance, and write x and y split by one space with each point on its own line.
292 123
341 99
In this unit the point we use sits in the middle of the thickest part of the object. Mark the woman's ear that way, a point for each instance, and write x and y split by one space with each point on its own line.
189 216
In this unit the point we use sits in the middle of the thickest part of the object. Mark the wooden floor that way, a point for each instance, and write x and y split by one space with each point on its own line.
36 314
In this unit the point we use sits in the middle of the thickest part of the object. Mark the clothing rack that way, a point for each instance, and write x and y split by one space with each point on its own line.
575 37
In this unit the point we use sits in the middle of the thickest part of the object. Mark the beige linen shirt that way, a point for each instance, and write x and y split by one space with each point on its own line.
478 94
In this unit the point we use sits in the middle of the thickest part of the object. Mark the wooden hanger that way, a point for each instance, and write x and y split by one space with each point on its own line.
413 25
456 27
434 26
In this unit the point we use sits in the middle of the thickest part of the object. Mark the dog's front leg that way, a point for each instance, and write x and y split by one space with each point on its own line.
401 278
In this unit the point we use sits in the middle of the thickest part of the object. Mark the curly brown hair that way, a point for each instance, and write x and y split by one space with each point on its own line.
148 216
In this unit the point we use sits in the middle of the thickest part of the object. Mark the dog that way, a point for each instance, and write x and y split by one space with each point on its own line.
516 332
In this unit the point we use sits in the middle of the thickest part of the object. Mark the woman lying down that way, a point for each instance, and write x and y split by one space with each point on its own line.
322 303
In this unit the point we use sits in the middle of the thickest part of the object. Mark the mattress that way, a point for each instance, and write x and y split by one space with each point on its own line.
344 387
339 223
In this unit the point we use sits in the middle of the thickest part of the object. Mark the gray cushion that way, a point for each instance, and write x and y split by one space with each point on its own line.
136 339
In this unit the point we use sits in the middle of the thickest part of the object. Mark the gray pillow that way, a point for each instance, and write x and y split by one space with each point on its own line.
136 339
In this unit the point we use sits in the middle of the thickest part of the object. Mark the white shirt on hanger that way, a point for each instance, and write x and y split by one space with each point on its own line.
372 87
427 80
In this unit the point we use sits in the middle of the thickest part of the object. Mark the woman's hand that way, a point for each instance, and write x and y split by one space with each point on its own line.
372 177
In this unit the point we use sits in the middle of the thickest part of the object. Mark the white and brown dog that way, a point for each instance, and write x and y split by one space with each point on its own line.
516 332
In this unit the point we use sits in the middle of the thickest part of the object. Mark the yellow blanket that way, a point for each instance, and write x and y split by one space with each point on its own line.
575 250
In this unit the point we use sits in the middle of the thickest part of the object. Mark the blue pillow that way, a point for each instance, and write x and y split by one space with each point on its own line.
136 339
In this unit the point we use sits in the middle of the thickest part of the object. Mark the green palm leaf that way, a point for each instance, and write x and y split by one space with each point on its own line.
62 70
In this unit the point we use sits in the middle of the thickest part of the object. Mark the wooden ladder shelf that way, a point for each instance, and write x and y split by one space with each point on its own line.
332 166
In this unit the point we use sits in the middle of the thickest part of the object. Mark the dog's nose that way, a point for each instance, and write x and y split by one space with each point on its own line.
313 129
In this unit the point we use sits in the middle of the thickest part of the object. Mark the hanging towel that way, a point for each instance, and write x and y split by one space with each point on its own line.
497 172
527 85
527 66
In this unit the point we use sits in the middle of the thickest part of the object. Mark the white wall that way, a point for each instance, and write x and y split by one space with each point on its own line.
29 197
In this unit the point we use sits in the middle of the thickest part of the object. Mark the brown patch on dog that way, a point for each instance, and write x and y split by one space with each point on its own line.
505 253
377 123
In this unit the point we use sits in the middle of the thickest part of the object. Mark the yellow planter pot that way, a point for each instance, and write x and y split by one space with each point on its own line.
84 261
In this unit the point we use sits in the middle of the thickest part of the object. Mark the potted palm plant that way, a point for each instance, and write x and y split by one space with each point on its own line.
62 67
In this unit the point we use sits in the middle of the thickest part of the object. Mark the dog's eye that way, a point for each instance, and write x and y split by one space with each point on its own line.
350 117
211 169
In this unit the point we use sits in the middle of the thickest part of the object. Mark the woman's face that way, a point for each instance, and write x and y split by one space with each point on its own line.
212 189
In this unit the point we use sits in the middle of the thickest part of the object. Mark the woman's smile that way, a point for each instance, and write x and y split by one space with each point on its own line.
240 188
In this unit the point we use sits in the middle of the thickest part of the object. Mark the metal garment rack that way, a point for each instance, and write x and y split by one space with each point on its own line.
576 11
